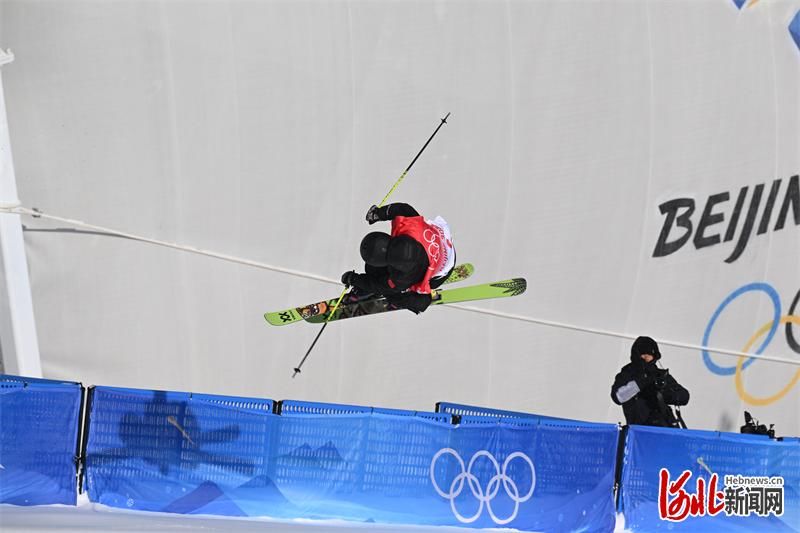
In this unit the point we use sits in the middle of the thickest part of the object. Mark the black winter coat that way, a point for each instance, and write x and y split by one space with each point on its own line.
645 391
376 280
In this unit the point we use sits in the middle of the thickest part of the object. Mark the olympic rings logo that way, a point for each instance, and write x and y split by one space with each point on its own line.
432 238
769 329
492 488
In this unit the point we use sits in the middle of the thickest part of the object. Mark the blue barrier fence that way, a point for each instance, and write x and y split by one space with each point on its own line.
203 454
463 410
705 454
152 451
39 422
299 407
172 451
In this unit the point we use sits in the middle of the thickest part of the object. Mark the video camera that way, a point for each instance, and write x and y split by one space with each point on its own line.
661 381
754 428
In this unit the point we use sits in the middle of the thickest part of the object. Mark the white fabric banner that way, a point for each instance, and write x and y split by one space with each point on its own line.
637 162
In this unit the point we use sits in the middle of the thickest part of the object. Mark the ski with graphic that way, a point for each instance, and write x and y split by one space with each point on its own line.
485 291
498 289
297 314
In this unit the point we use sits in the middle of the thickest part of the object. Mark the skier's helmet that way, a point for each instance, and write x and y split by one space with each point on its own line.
373 248
406 254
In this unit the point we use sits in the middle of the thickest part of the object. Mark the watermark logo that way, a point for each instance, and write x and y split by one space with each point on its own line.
676 504
742 496
759 495
484 496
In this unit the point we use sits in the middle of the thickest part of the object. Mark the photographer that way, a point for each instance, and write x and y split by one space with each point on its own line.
646 391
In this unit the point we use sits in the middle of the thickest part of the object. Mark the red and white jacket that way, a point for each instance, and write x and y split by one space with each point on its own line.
434 236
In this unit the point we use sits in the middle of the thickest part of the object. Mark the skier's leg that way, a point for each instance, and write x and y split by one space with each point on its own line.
414 302
356 294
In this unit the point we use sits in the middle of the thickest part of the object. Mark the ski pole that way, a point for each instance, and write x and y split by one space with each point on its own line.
442 122
297 368
335 307
403 175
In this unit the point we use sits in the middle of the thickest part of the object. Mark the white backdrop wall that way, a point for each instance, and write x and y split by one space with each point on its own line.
266 129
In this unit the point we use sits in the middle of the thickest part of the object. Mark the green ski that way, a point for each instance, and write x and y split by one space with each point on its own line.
297 314
485 291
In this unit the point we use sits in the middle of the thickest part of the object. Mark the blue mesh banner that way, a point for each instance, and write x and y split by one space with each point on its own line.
295 407
753 461
185 454
464 410
571 480
177 452
38 440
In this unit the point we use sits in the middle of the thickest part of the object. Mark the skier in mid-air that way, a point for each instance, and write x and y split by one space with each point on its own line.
405 266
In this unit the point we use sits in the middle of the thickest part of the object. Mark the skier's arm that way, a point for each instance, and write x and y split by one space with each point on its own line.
388 212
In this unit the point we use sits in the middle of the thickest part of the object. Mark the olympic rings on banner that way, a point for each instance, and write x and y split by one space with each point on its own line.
769 329
776 304
492 488
743 394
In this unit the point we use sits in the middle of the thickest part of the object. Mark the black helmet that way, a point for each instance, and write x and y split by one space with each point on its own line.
406 254
374 247
644 345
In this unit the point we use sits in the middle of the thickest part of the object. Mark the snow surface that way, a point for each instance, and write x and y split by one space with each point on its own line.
87 516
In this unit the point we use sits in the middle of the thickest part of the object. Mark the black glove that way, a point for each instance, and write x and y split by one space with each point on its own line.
372 215
349 277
